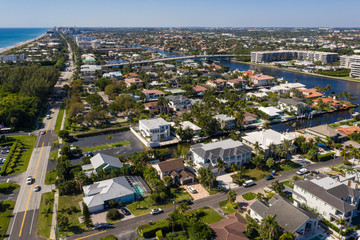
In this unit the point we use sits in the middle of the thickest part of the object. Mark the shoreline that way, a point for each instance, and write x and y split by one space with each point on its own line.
294 71
20 44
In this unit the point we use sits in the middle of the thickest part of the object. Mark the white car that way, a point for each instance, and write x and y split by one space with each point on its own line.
42 132
29 180
191 189
156 211
37 188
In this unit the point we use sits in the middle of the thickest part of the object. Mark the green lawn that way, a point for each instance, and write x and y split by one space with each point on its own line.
75 226
53 154
28 142
50 177
150 227
43 226
249 196
59 118
213 190
7 188
106 146
177 236
145 207
226 207
5 216
288 183
211 216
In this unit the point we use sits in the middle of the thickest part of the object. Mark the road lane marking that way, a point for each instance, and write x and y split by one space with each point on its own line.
31 189
90 235
48 126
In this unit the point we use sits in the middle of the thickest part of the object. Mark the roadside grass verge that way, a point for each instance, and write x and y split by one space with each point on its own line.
143 207
109 237
8 188
5 217
226 207
69 202
28 142
249 196
288 183
106 146
59 118
50 177
53 154
43 226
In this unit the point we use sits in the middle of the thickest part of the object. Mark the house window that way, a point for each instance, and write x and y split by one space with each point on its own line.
324 214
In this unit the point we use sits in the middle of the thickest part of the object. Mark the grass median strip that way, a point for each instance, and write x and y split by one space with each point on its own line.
59 118
43 226
6 212
106 146
28 142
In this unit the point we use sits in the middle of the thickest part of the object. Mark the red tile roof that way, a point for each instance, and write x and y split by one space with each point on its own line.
231 228
348 130
199 88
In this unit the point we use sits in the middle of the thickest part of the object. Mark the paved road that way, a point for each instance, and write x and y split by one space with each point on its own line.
23 223
122 229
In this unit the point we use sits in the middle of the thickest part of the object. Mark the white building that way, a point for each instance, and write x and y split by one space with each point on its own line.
331 199
226 122
230 151
155 129
187 124
117 75
273 112
352 63
12 57
89 69
178 103
265 138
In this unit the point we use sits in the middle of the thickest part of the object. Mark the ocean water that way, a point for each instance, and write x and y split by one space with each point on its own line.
12 36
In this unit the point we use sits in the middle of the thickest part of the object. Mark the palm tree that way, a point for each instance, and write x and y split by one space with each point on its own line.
271 147
287 236
172 219
269 229
344 154
257 160
270 162
342 224
257 147
221 165
241 171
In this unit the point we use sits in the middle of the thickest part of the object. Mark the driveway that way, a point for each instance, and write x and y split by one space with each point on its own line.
226 181
101 217
201 191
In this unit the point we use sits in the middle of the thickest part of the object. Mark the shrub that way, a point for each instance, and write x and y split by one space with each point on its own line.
159 235
89 134
113 214
325 157
113 204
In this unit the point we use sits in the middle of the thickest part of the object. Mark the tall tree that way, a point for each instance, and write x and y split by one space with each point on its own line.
86 215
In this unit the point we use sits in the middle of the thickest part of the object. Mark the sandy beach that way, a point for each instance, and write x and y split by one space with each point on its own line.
2 50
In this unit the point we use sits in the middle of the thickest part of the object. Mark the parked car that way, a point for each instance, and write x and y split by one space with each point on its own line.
125 211
269 177
2 160
37 188
156 211
189 202
302 171
89 154
29 180
191 189
248 183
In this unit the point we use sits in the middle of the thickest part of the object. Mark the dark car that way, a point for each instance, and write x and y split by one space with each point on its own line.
269 177
101 225
125 211
189 202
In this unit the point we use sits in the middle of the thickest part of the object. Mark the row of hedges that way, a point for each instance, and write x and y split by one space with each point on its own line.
6 144
6 188
101 132
149 230
325 156
7 160
14 158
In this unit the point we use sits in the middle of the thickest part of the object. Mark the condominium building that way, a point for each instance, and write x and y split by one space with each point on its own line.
352 63
155 129
12 57
284 55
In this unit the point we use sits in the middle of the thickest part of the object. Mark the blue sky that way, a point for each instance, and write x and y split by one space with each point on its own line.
180 13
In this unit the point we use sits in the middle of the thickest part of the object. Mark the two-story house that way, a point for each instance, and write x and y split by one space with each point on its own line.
226 122
153 94
329 198
230 151
176 169
261 79
155 129
178 103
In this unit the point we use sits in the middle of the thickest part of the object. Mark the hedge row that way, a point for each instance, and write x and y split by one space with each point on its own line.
7 160
8 187
89 134
325 156
150 230
6 144
14 158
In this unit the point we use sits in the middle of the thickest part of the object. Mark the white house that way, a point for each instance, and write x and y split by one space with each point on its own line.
155 129
292 105
153 94
98 195
288 216
89 69
265 138
230 151
103 162
178 103
187 124
329 198
226 122
117 75
273 112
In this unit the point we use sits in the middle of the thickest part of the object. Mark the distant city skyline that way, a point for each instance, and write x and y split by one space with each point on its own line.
185 13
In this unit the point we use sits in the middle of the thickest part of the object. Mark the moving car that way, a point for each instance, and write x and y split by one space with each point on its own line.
248 183
37 188
29 180
191 189
156 211
269 177
101 225
42 132
125 211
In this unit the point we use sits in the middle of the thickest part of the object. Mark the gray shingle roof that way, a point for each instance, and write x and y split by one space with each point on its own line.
332 196
100 158
223 149
288 216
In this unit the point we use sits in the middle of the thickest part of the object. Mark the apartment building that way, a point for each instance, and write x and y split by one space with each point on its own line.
329 198
284 55
352 63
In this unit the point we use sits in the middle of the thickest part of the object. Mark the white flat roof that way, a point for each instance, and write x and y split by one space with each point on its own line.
152 123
